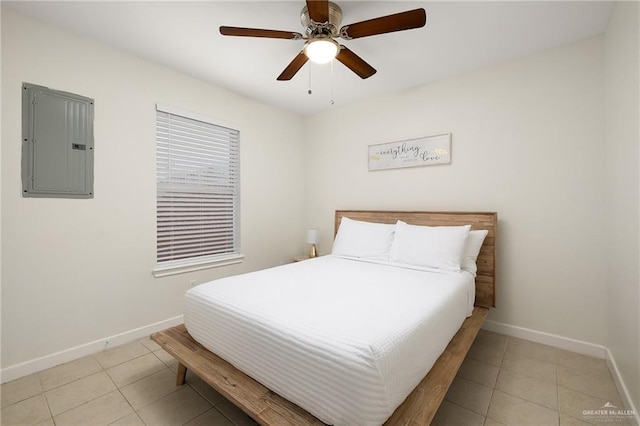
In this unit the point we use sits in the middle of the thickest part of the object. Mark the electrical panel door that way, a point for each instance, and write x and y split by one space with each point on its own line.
57 143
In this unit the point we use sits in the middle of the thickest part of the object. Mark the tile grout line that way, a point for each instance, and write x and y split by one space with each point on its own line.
557 364
558 396
46 400
556 385
124 397
119 388
105 370
85 402
123 362
163 363
137 412
53 418
213 406
493 389
489 406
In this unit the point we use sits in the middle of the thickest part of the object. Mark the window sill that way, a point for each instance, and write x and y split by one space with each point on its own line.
184 266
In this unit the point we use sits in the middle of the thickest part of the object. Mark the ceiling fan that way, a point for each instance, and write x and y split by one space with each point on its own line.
321 20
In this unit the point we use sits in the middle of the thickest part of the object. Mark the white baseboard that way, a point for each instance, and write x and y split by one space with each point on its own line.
622 387
29 367
573 345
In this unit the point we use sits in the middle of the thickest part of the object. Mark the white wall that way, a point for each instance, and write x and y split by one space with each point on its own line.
527 143
75 271
622 63
1 261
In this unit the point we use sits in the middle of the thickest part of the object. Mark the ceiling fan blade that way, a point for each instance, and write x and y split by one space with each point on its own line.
257 32
385 24
318 10
355 63
293 67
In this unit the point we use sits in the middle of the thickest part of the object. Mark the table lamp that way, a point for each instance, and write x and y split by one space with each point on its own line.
312 238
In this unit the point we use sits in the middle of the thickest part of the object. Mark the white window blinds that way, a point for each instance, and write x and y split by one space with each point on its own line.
198 190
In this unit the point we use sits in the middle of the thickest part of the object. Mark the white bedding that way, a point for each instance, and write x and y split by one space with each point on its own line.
345 340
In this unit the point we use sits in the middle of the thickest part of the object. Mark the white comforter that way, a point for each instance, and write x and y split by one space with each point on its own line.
345 340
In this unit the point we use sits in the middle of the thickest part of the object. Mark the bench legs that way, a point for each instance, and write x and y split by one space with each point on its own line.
182 374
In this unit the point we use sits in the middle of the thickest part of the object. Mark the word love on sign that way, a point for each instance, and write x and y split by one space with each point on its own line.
426 151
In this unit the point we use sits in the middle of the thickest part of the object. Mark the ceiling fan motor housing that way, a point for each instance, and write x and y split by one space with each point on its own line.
330 28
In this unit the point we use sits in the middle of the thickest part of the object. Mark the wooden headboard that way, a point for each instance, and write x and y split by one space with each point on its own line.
486 276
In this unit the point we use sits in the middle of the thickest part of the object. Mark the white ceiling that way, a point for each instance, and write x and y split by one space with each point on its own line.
458 37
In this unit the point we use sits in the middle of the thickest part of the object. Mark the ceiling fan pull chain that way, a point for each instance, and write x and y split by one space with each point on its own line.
332 102
309 91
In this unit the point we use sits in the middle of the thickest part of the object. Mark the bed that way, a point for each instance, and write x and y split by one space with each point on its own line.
350 359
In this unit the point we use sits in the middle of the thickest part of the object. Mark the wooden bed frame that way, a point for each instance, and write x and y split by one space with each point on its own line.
268 408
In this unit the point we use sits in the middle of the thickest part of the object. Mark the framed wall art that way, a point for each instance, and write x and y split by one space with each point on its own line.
426 151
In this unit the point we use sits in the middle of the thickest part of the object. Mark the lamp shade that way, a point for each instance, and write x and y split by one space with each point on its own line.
321 50
312 236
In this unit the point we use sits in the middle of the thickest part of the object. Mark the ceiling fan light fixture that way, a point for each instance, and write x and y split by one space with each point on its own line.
321 50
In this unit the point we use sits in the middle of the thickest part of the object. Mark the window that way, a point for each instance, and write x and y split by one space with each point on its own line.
198 193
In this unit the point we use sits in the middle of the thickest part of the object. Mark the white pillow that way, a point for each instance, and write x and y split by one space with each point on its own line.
433 246
363 239
472 250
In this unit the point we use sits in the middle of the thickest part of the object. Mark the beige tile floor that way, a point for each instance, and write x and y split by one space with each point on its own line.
503 381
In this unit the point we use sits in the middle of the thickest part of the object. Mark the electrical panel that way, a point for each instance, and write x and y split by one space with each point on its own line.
57 143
